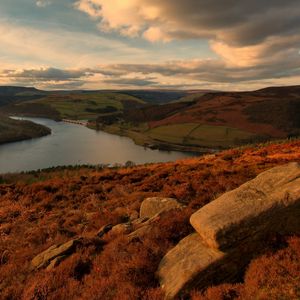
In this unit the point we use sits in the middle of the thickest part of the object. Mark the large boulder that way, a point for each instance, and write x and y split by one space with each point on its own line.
190 259
231 231
63 250
268 203
155 205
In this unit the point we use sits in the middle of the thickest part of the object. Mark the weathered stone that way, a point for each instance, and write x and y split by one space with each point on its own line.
231 231
124 228
152 206
43 259
141 232
55 262
188 260
143 226
268 203
103 230
139 221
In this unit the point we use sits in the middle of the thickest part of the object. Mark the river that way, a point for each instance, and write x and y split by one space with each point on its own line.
72 144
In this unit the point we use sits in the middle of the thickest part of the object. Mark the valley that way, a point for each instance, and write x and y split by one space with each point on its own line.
186 121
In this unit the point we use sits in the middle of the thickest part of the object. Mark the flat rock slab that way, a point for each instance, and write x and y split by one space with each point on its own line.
155 205
268 203
190 259
43 259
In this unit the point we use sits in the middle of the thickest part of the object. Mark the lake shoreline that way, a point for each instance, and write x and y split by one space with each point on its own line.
74 144
143 140
18 130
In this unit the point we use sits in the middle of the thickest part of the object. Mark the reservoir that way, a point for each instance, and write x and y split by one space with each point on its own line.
72 144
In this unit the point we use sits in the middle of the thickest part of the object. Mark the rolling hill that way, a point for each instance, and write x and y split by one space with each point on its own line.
221 119
190 120
10 94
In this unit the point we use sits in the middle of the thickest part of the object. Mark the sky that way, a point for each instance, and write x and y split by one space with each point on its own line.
150 44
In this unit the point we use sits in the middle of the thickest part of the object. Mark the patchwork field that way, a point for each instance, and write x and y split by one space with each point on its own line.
202 135
88 106
77 106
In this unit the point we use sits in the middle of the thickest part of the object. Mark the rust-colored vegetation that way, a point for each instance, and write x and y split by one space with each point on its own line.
41 209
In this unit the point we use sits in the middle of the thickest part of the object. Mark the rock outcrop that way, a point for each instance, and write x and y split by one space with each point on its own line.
55 254
152 206
267 203
230 231
140 225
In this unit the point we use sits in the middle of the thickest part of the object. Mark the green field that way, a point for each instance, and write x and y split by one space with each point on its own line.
78 106
200 135
86 106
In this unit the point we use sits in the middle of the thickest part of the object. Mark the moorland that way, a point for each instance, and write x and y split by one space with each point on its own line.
41 209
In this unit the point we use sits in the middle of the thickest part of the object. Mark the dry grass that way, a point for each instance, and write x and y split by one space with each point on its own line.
40 209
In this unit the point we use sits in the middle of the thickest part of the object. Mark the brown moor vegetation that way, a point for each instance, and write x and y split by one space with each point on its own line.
40 209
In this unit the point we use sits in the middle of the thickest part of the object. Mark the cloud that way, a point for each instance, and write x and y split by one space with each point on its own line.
43 3
135 82
27 46
249 33
47 74
254 42
238 22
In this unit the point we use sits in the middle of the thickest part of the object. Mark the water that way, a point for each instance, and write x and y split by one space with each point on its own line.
71 144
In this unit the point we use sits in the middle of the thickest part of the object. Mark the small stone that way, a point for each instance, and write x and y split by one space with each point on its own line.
43 259
152 206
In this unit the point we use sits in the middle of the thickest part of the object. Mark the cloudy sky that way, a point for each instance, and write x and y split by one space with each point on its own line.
187 44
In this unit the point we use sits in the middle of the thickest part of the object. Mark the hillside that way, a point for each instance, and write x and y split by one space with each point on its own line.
194 121
245 110
82 106
16 130
10 94
41 209
216 120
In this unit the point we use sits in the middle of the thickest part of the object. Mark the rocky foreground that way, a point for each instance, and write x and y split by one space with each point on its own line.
162 231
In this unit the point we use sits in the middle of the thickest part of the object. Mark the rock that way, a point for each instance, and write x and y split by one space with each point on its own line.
141 232
231 231
139 221
188 260
43 259
124 228
152 206
55 262
268 203
103 230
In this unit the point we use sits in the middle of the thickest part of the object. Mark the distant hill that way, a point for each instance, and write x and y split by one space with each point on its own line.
156 96
274 111
212 120
10 94
191 118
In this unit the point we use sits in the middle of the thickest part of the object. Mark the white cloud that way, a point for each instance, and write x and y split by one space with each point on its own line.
27 46
243 33
43 3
